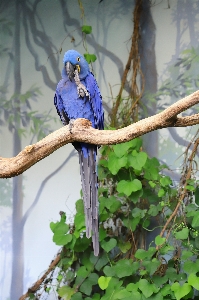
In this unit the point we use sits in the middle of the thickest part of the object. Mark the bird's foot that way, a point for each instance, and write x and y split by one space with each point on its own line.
82 91
71 124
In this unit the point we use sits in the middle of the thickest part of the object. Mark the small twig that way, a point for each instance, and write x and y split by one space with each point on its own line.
36 286
183 190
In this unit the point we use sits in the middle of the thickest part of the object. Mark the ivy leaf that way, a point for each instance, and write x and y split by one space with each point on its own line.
90 57
127 187
193 280
165 181
159 240
77 296
161 193
123 268
151 266
182 234
122 294
197 195
147 288
66 292
115 163
79 221
86 286
195 221
186 254
180 290
86 29
131 223
108 246
109 271
124 247
61 239
103 282
121 149
137 160
191 267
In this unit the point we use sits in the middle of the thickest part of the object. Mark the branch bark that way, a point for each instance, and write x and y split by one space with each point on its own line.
83 132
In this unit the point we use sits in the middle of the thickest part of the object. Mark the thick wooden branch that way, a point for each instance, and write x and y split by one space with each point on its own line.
83 132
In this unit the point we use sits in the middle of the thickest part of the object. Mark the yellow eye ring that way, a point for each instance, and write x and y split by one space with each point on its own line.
78 58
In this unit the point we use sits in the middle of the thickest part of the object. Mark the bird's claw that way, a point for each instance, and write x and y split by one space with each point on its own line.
82 91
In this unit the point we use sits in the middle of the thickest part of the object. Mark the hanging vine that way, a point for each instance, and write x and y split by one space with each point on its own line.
125 111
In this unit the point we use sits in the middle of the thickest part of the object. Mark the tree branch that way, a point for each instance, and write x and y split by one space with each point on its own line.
38 283
83 132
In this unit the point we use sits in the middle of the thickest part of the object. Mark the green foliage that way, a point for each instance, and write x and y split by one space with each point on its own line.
17 112
129 200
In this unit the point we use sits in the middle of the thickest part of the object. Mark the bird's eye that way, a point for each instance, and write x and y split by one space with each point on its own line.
78 58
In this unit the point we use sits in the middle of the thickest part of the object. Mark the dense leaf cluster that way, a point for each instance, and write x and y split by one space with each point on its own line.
133 196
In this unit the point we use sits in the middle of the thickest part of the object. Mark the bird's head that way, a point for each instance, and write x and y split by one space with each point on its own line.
74 60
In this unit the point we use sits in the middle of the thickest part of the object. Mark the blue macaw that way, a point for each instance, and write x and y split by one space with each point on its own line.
78 96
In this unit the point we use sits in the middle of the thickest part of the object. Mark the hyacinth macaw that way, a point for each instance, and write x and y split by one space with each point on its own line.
78 96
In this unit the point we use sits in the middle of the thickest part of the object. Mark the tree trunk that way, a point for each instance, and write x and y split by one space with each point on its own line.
17 214
148 67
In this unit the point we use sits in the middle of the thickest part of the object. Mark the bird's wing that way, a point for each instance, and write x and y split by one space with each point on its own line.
58 102
96 100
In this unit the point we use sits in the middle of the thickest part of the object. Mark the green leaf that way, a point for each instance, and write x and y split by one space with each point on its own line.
153 210
123 268
152 265
137 212
166 290
191 267
115 163
161 193
127 187
86 286
193 280
101 262
182 234
197 195
108 246
131 223
186 254
195 221
180 290
83 272
165 181
124 246
159 240
66 292
159 281
86 29
132 287
147 288
109 271
77 296
122 149
103 282
137 160
61 239
79 221
122 294
152 184
79 206
90 57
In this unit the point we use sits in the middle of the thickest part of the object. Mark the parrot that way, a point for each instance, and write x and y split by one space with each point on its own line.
78 96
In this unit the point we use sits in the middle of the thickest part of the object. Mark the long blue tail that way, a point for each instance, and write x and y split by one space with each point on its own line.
90 194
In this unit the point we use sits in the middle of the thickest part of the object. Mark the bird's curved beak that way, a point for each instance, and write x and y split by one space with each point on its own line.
70 70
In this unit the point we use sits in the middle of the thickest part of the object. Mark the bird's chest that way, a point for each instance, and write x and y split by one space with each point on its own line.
75 106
